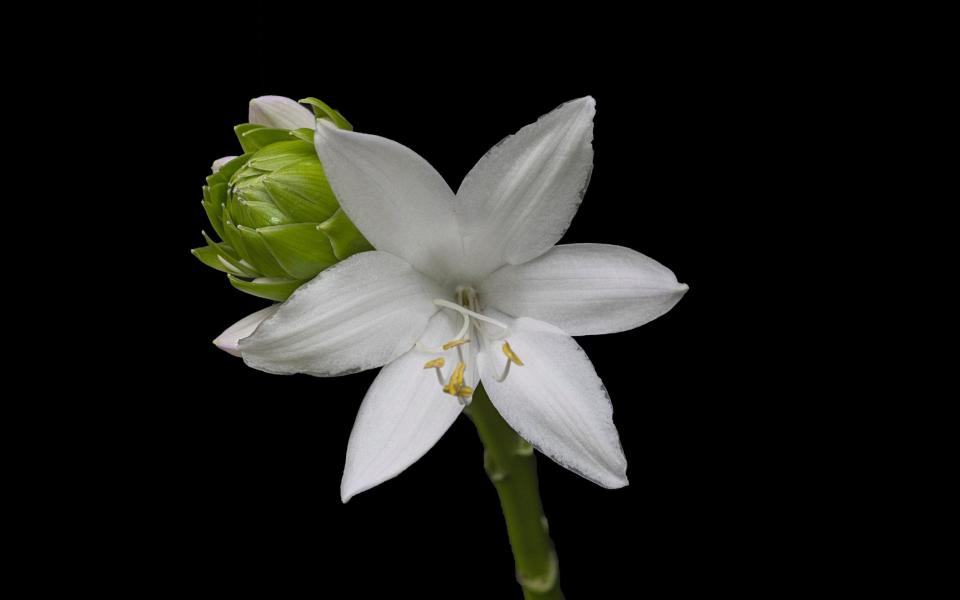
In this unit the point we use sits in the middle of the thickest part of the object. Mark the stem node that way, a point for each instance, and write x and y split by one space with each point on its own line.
509 462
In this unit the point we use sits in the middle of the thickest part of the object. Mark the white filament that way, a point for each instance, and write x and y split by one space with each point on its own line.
466 312
506 371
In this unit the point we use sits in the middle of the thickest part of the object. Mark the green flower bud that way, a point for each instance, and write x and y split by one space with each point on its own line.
279 221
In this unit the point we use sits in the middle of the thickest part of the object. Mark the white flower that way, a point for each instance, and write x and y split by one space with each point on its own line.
463 287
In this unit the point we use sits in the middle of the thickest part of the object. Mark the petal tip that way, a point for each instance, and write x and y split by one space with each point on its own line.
254 109
616 479
229 348
349 489
230 340
259 100
619 484
278 112
679 291
588 103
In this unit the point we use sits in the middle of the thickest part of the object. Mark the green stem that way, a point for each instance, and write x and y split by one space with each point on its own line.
512 467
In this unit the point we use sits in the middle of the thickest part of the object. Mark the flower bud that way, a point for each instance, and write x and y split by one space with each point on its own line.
274 210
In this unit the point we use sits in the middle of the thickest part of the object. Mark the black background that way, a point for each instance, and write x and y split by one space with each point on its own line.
226 480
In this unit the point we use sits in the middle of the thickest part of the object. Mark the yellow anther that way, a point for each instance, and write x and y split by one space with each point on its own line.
457 377
436 363
456 380
455 343
465 392
512 355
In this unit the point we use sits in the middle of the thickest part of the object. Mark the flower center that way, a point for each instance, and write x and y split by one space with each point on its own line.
467 309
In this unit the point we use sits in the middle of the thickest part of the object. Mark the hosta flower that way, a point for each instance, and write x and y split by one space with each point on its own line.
463 287
274 210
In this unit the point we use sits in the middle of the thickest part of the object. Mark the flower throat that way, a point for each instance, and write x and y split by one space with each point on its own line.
466 307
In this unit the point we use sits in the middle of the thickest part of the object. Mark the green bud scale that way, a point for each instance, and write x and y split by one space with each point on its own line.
279 221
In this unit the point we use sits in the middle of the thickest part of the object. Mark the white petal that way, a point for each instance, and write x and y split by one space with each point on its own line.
393 196
218 164
520 198
229 340
555 400
359 314
585 289
402 416
280 112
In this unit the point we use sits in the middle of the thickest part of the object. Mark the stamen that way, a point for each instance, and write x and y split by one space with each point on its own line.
511 354
437 364
506 371
464 395
455 385
456 380
512 358
456 344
